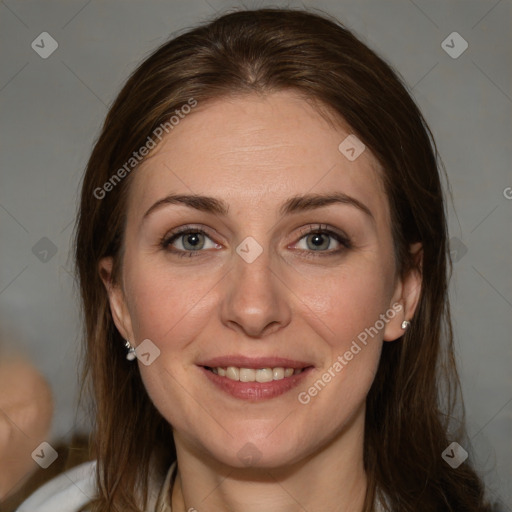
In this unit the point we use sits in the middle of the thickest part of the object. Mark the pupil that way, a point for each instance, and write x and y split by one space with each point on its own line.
318 240
194 239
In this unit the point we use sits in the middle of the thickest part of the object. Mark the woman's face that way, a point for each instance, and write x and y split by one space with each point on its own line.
267 276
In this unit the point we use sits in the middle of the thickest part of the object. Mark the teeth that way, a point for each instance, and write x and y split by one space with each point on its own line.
247 375
259 375
264 375
232 373
278 373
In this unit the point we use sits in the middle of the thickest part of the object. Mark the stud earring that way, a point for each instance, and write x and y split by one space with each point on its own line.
131 355
405 324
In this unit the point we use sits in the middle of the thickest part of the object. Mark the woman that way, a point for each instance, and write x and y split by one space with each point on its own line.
261 248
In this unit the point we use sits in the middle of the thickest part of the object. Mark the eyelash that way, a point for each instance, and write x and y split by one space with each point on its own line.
318 229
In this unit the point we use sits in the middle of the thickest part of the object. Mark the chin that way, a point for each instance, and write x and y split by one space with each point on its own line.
262 451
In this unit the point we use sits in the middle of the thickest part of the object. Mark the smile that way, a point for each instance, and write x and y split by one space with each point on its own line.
254 380
255 375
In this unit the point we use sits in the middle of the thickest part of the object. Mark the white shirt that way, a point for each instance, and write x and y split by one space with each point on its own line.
75 488
68 492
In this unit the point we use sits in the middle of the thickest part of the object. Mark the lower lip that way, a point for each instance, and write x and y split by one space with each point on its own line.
256 391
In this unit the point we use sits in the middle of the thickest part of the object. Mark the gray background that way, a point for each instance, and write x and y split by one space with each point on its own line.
52 110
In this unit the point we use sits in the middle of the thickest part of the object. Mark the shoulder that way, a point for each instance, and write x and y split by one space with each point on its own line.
68 492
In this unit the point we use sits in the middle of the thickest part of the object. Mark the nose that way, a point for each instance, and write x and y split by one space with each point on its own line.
256 300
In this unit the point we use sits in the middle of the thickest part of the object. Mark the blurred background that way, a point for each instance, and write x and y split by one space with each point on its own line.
63 62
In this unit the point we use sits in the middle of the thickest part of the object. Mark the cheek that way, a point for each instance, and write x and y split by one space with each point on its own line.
348 309
169 307
346 317
346 302
163 303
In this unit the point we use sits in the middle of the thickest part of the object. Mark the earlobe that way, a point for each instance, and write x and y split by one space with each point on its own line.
407 295
118 308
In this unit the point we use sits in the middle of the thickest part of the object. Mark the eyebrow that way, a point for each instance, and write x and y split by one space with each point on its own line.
294 204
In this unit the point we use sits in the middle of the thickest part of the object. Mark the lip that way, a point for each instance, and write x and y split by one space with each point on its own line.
253 362
256 391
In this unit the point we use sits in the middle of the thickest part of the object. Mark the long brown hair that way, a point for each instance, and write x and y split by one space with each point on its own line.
412 398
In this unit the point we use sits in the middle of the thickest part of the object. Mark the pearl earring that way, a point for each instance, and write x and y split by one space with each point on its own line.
405 324
131 355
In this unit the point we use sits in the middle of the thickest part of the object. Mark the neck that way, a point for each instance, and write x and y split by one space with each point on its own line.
333 478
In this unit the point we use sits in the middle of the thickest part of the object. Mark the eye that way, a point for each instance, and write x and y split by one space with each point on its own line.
188 240
322 240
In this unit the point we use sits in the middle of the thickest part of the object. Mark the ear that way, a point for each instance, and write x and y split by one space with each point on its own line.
406 294
118 308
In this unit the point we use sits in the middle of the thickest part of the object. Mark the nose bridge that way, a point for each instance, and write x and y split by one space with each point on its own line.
255 300
253 276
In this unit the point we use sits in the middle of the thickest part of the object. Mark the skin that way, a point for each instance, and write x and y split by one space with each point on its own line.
254 153
26 409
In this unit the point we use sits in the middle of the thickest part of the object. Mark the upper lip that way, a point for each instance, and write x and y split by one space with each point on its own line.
253 362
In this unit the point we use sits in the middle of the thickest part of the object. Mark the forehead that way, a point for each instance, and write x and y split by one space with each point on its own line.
256 151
